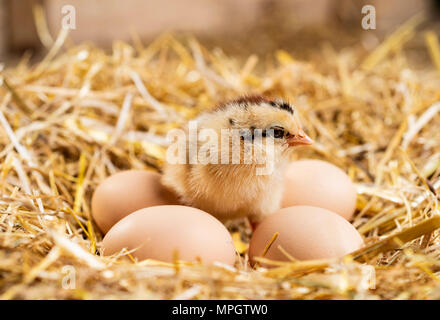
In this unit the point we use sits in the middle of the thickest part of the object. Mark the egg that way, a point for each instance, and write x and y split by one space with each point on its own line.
305 233
125 192
319 184
161 231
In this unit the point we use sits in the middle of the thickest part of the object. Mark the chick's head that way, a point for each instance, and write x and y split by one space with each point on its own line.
258 119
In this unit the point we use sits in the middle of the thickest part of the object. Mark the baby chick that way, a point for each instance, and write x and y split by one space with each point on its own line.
234 189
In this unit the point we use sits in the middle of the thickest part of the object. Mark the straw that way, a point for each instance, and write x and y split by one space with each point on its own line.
82 114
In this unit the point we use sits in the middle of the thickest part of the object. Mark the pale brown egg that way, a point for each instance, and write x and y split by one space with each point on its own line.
125 192
162 231
320 184
305 233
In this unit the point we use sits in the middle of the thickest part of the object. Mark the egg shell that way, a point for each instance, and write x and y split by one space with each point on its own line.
157 232
306 233
125 192
320 184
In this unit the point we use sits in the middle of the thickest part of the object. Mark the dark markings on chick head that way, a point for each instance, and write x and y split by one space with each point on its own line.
286 106
244 101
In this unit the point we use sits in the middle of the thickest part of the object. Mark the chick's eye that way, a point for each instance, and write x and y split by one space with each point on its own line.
278 133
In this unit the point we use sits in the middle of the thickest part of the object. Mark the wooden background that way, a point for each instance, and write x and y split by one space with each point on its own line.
102 21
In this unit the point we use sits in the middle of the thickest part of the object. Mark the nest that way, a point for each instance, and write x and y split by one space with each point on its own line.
82 114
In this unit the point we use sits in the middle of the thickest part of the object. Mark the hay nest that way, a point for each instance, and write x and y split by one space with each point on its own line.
82 114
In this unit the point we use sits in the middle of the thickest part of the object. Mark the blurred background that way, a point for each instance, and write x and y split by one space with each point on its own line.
257 26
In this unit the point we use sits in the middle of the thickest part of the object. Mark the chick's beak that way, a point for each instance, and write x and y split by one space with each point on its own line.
300 139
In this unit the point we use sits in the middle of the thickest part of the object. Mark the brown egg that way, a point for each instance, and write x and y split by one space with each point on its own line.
319 184
125 192
158 232
305 233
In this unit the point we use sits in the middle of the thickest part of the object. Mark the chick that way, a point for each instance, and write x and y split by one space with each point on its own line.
228 189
